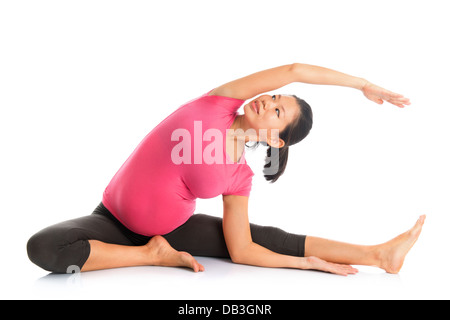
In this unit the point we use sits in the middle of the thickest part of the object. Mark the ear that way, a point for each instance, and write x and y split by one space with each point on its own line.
273 139
276 143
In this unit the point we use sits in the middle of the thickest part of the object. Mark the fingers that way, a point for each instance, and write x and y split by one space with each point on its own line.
398 104
421 220
342 269
398 100
375 99
394 98
379 95
379 101
322 265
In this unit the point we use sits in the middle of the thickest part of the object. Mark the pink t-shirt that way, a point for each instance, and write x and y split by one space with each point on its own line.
181 159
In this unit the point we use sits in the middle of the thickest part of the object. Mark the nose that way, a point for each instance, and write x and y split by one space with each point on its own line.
268 102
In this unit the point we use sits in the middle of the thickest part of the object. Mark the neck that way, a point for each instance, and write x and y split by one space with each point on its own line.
239 128
236 138
238 122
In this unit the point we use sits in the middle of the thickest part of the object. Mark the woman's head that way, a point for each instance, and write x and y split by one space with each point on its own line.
289 116
271 114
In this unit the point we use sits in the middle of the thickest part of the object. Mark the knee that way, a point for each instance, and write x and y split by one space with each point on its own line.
278 240
272 238
42 250
50 251
268 234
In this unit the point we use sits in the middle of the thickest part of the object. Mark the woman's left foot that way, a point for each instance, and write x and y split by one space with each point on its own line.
393 252
161 253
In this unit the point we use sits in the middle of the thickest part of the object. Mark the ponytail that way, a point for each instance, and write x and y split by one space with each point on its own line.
275 164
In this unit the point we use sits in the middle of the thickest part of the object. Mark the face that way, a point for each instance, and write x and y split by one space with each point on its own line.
271 112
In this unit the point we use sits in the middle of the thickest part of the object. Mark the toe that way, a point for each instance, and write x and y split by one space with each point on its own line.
422 219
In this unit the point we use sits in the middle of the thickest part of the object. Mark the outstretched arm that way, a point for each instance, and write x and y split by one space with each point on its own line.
318 75
243 250
275 78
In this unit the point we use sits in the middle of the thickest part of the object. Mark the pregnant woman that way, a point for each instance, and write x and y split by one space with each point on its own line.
146 216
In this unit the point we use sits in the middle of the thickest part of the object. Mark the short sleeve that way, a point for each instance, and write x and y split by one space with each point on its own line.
241 185
221 104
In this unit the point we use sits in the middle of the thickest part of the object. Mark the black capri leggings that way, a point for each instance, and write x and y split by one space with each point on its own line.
65 245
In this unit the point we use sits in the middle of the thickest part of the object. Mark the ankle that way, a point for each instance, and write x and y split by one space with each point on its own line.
148 255
376 255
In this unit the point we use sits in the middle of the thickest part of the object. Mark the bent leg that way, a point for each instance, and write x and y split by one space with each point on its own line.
157 252
202 235
99 241
66 244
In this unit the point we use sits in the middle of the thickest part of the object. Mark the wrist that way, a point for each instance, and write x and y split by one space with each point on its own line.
361 83
303 263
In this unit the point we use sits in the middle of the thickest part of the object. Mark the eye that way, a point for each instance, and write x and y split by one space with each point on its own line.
276 109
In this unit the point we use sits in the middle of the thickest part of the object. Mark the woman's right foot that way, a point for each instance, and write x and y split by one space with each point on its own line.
393 252
161 253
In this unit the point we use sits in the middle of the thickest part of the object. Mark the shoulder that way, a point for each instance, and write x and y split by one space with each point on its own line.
241 184
216 92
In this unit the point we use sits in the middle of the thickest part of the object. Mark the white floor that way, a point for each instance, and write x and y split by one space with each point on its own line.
225 280
424 275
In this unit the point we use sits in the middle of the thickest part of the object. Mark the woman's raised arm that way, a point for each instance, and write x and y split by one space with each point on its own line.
275 78
318 75
257 83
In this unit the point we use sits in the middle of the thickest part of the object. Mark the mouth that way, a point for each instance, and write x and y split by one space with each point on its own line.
255 106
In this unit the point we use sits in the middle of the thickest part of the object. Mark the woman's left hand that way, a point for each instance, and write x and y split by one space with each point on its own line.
379 95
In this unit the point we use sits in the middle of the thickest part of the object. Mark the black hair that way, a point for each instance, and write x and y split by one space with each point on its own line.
292 134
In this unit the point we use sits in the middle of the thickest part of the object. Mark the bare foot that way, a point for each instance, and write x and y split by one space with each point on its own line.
162 254
393 252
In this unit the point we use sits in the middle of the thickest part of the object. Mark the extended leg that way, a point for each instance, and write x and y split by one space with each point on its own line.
340 252
202 235
388 256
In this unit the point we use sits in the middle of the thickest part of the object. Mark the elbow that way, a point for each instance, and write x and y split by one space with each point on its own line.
295 67
237 259
237 256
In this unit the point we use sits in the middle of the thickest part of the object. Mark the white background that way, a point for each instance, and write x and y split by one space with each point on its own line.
82 82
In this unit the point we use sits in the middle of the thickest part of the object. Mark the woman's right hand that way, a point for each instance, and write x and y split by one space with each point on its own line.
379 95
315 263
